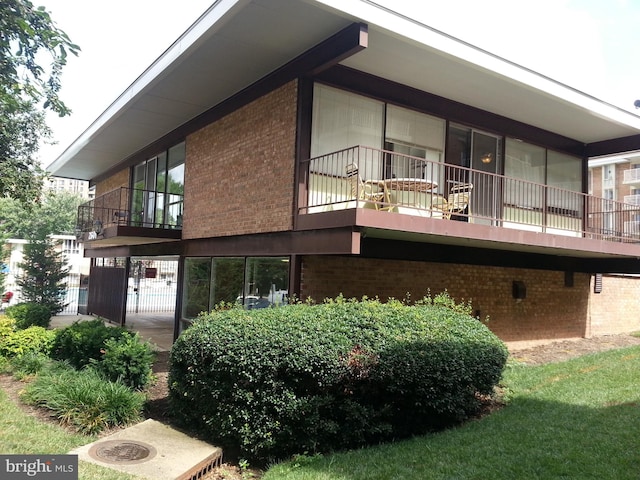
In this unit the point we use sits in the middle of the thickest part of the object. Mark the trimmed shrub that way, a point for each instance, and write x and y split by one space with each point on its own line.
29 314
127 359
83 342
270 383
83 400
36 340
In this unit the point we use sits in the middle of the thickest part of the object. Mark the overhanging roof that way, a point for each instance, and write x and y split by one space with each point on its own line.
237 42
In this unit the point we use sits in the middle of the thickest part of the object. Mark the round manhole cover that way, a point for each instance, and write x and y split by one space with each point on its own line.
122 452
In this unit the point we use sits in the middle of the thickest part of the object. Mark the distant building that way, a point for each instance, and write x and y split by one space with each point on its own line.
71 185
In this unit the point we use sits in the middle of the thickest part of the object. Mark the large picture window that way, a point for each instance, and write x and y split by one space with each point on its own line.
255 282
158 183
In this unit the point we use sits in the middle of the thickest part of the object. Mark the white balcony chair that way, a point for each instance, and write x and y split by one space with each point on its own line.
372 191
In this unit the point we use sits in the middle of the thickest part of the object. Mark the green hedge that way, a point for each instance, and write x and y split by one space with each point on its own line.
269 383
29 314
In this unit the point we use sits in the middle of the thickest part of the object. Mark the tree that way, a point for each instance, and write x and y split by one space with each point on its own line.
44 271
28 36
55 215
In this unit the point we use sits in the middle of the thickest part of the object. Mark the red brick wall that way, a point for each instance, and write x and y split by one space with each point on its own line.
615 310
239 171
549 311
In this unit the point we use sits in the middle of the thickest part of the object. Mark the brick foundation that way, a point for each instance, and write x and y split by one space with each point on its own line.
550 310
615 309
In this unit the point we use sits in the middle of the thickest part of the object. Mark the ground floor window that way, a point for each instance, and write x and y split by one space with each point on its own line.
255 282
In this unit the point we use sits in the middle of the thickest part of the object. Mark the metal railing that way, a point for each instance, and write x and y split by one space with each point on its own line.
396 183
131 207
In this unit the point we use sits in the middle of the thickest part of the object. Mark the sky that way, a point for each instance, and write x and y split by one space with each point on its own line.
590 45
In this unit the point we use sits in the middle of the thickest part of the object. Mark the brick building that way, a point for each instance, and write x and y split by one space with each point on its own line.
343 148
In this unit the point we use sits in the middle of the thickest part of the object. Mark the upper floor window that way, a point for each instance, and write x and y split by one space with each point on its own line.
158 185
343 119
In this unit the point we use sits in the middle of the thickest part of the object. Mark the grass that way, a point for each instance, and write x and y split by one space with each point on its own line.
572 420
24 435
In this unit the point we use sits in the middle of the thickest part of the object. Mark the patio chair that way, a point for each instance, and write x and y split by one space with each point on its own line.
439 207
370 191
459 199
458 202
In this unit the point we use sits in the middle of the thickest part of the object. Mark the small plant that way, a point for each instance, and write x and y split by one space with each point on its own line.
127 359
83 342
84 400
28 364
30 314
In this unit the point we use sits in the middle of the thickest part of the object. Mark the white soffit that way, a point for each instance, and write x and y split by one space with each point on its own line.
412 53
236 42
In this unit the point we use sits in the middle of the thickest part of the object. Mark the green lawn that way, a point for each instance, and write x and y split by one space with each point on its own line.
573 420
23 434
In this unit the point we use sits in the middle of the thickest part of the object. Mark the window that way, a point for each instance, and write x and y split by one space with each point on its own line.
343 120
524 162
255 282
158 190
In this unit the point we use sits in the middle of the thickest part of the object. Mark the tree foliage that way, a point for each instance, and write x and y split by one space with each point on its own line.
55 215
28 36
44 270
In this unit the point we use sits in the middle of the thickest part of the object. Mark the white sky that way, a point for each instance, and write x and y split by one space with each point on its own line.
591 45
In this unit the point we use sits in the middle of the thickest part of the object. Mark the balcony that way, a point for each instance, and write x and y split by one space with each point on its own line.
130 216
632 200
631 176
458 201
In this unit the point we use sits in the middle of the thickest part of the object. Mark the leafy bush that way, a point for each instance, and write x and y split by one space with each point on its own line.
84 400
312 378
83 342
29 314
30 340
7 326
127 359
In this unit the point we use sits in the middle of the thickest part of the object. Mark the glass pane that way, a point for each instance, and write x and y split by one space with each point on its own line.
176 169
342 120
418 135
197 280
228 279
266 282
525 162
565 173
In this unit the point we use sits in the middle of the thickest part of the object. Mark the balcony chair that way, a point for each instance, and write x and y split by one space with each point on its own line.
372 191
120 217
458 202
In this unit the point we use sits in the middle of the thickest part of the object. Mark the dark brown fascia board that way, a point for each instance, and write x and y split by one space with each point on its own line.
326 54
439 253
320 242
386 90
317 242
614 146
149 249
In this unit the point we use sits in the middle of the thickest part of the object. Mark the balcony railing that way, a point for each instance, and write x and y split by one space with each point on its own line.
130 207
631 176
363 177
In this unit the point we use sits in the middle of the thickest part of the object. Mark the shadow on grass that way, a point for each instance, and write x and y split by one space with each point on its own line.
530 438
